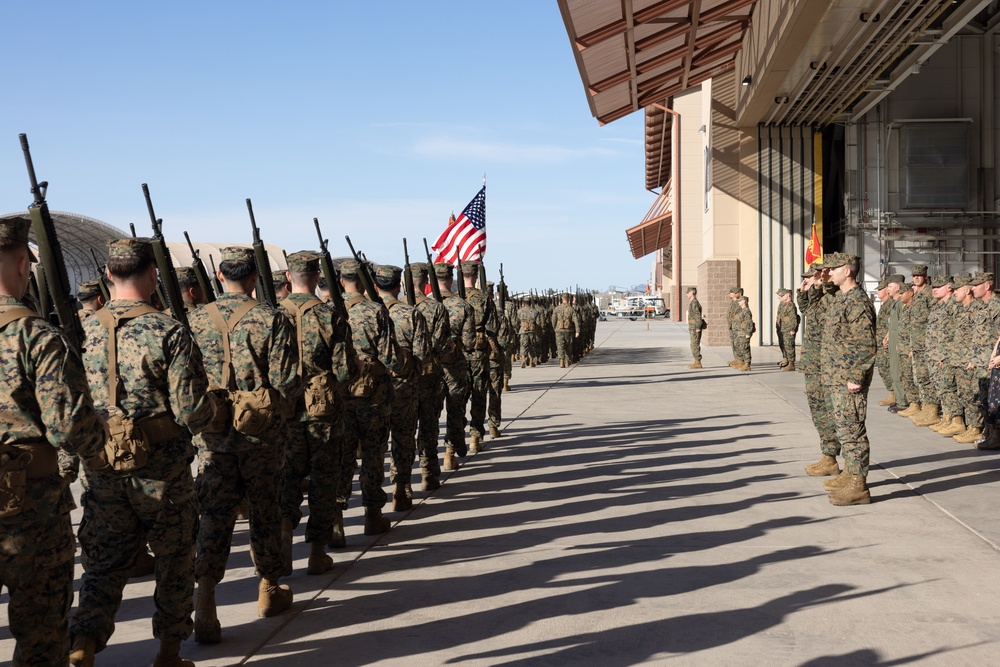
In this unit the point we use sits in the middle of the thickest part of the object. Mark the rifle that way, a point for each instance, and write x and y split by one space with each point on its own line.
482 277
50 254
432 276
265 280
219 289
411 297
461 280
199 272
366 278
330 272
165 265
132 229
105 292
44 301
502 291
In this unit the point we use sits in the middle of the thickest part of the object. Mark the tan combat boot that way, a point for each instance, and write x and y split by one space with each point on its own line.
971 435
207 629
375 523
82 652
475 443
927 416
272 599
890 400
825 467
789 367
957 426
429 482
494 432
696 364
745 366
524 364
534 362
854 492
734 363
914 409
838 481
400 500
338 539
450 461
319 560
286 545
943 421
506 384
169 655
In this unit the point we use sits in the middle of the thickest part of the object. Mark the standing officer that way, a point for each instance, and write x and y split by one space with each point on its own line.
251 358
566 323
327 363
735 294
743 331
696 324
146 374
787 325
46 405
815 296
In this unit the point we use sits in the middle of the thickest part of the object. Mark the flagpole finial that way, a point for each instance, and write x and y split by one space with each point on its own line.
484 179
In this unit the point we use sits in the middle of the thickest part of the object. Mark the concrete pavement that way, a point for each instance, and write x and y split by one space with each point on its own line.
636 511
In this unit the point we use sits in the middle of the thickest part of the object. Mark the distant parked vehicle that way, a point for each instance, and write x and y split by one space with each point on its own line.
649 304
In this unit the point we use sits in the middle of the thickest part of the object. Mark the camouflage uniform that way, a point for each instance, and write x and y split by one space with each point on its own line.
46 404
920 310
955 343
366 422
904 350
315 443
881 331
414 343
499 365
461 318
786 323
484 323
734 308
430 399
966 381
938 335
848 355
161 378
233 464
814 303
527 318
696 324
985 330
566 323
743 328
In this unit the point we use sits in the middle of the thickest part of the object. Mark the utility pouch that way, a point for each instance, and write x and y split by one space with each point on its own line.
320 396
223 419
254 411
13 480
369 381
127 447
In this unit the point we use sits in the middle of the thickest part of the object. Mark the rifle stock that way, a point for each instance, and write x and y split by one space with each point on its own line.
460 279
411 297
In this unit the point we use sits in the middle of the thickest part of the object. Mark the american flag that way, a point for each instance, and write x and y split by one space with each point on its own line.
465 238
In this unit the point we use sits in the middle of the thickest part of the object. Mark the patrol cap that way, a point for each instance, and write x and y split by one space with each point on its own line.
783 291
490 284
88 290
186 276
736 290
236 254
743 299
15 230
418 269
960 281
349 267
138 248
940 281
387 273
919 270
834 259
690 289
905 287
811 270
443 269
981 277
896 278
470 268
304 261
882 284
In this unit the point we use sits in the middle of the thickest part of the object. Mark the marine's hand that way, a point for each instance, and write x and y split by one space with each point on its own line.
853 388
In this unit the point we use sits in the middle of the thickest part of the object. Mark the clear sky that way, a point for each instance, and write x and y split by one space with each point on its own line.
379 118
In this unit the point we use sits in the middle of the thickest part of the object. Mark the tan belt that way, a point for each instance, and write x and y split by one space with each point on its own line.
44 459
159 428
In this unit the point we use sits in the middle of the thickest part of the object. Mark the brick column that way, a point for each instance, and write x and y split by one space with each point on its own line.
715 277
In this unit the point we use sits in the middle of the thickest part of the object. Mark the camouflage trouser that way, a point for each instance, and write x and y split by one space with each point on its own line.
695 334
430 402
36 566
922 378
786 343
253 471
741 346
882 363
479 380
973 387
456 395
529 346
849 414
366 427
732 343
403 428
948 390
508 363
120 514
314 451
821 410
564 344
494 410
906 392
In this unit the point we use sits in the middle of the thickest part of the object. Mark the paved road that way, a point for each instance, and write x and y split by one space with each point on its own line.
634 512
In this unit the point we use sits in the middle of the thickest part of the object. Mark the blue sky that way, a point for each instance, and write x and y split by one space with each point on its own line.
379 118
